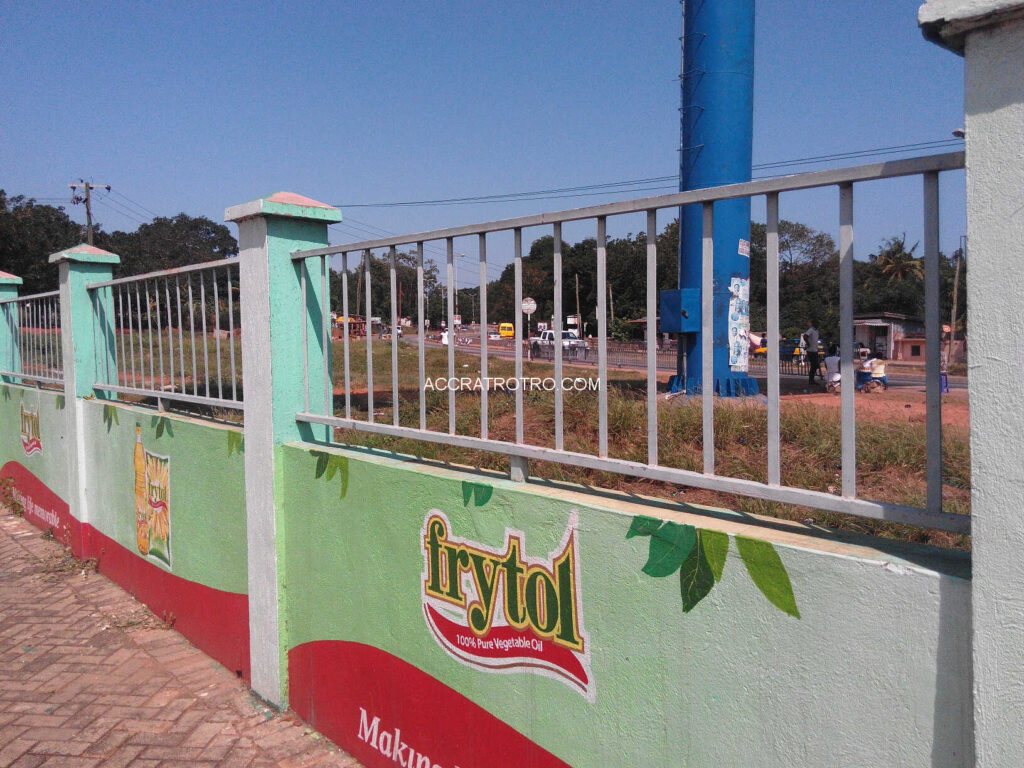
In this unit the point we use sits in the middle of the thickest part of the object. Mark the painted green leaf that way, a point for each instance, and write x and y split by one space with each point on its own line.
236 443
341 464
716 547
643 526
321 462
59 403
669 546
480 493
768 573
695 577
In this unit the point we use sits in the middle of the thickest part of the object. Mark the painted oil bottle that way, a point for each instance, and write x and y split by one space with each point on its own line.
141 497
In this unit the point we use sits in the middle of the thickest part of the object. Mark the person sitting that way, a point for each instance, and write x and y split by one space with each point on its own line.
878 373
832 367
863 373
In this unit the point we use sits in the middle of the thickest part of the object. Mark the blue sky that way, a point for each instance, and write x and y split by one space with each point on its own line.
195 107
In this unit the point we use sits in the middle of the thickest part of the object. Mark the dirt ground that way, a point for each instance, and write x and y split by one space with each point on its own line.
902 404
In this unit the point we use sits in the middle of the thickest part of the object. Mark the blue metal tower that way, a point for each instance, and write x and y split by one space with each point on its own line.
717 116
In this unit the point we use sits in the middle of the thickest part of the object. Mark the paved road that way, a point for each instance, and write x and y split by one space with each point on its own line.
631 361
88 677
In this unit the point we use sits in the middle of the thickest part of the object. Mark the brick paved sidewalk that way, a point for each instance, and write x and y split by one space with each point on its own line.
89 677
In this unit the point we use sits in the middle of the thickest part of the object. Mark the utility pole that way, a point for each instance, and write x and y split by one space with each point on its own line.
579 319
86 187
956 289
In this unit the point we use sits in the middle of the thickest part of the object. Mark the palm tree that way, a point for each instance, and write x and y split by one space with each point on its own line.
897 263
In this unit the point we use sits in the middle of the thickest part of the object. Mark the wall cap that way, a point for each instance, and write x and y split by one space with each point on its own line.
85 254
947 22
286 204
6 278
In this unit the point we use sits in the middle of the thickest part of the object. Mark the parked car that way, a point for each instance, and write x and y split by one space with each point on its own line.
493 336
572 345
507 331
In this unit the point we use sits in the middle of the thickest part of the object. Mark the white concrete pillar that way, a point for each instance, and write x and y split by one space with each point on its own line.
273 315
990 36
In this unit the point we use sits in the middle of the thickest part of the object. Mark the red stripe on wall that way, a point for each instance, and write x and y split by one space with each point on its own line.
343 688
215 621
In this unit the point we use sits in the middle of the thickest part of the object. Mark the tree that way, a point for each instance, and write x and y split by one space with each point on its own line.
29 233
166 243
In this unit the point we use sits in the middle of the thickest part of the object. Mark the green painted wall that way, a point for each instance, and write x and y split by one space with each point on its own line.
207 489
50 466
871 673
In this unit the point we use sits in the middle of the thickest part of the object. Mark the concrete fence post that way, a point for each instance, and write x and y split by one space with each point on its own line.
989 34
275 323
10 355
83 353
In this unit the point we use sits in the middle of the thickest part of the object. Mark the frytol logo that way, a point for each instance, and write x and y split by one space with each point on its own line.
501 611
31 441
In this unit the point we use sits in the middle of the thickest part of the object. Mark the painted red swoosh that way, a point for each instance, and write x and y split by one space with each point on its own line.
331 681
550 654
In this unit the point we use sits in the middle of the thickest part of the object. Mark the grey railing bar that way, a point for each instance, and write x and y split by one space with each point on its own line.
304 317
345 330
825 501
216 334
171 396
394 336
231 335
772 230
420 331
170 334
933 397
206 340
369 335
228 262
707 325
483 334
892 169
149 327
652 333
29 297
159 332
556 229
517 251
192 332
110 334
848 411
181 333
602 337
452 338
32 377
325 335
138 323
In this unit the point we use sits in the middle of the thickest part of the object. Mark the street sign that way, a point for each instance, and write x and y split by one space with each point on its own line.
529 306
457 319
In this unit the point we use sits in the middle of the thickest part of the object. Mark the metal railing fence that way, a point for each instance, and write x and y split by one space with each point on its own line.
32 352
847 501
171 335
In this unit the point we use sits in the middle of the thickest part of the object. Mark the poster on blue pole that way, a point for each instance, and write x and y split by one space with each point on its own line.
739 324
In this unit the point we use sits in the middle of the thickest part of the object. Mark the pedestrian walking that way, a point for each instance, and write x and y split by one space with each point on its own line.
813 362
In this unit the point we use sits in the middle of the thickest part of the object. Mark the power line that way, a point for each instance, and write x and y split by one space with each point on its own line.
619 186
140 206
118 208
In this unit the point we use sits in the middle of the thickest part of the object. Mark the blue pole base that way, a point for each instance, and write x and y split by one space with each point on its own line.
730 385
